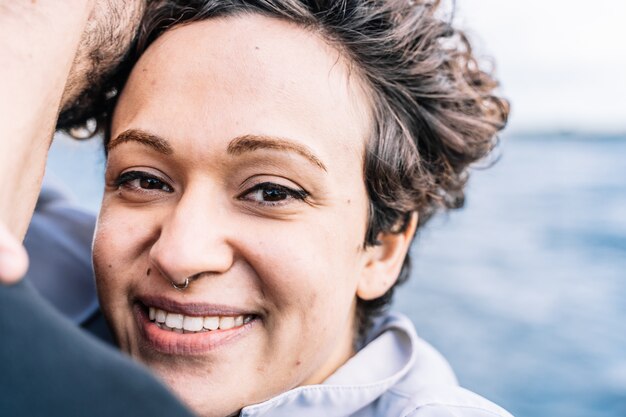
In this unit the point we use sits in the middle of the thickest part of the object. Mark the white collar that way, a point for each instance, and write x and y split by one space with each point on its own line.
360 381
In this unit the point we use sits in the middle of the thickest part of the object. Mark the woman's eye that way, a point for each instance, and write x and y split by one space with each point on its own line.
269 193
137 180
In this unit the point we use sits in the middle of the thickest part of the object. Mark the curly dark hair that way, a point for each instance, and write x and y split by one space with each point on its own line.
435 110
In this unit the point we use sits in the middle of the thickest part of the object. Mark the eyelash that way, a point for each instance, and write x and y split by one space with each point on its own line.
264 187
125 179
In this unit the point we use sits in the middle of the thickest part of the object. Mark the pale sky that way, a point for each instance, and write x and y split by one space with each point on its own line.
562 63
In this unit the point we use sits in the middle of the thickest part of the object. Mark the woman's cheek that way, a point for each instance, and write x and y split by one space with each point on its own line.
105 263
114 252
114 274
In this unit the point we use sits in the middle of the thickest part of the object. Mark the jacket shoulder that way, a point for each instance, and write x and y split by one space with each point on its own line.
451 401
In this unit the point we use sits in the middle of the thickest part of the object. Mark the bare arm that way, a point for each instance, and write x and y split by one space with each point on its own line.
38 42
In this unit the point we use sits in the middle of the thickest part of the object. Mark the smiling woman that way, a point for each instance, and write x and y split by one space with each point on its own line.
257 215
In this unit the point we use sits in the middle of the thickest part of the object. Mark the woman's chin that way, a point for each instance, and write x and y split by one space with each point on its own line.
205 400
209 385
210 409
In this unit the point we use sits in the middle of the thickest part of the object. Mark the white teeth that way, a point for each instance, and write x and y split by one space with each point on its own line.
174 320
211 323
160 316
193 324
227 323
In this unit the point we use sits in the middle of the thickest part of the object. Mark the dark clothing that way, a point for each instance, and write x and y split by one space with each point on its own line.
49 367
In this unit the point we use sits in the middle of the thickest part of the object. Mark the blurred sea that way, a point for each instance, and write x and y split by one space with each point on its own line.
524 290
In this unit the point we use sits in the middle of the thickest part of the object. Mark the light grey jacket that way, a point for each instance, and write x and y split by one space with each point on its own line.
396 374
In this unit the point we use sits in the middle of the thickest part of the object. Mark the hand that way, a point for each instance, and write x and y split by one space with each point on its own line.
13 258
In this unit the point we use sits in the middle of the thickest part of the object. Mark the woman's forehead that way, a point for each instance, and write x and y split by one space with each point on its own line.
244 75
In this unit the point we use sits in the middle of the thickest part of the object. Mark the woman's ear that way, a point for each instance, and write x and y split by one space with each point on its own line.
383 262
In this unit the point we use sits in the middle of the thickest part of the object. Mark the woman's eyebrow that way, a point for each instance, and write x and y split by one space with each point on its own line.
249 143
155 142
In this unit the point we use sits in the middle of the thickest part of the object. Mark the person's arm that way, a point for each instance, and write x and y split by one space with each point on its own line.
38 42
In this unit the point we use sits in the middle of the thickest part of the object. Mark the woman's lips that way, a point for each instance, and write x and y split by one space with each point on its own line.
175 333
192 308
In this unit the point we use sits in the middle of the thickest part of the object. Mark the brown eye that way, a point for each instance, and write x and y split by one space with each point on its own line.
150 183
270 194
274 194
137 180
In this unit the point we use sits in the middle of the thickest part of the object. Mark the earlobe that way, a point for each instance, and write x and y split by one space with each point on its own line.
384 261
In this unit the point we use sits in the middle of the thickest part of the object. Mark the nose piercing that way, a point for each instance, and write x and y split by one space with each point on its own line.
185 284
182 286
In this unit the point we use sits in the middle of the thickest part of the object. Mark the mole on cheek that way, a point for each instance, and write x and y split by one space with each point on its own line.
148 272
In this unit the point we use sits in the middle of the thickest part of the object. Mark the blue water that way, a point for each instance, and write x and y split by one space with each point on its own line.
524 290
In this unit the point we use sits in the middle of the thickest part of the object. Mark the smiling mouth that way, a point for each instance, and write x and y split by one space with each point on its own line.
183 324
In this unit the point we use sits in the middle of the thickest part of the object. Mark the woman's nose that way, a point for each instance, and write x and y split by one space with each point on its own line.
193 241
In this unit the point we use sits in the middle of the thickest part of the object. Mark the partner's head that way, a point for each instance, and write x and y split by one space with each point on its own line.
107 38
278 152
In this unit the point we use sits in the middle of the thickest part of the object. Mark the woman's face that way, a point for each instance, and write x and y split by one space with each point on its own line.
236 158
